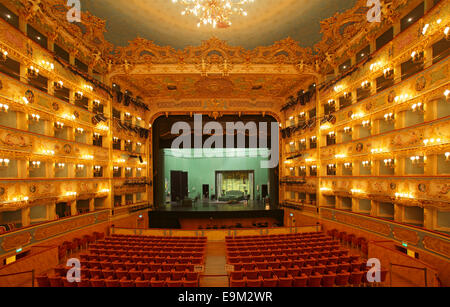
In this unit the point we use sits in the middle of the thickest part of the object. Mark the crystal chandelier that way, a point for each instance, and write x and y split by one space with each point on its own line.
216 13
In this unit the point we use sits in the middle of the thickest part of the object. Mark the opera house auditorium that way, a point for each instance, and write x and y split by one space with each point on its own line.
225 143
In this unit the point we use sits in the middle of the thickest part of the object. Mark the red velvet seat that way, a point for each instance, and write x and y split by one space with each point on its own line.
43 281
301 280
286 281
112 283
237 282
56 281
342 279
356 278
315 280
328 279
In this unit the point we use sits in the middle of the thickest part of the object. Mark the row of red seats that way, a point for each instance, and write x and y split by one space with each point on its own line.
295 269
143 260
58 282
284 245
279 236
115 254
291 257
154 238
349 239
330 279
142 265
147 248
331 251
68 247
295 263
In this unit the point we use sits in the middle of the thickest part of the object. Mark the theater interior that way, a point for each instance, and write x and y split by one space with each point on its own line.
224 143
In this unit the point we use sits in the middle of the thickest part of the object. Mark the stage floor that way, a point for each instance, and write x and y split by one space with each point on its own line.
214 206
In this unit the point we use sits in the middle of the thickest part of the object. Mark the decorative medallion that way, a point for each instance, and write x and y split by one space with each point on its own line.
349 114
421 83
359 147
369 106
422 188
2 191
55 106
33 189
67 148
391 96
29 95
393 186
76 114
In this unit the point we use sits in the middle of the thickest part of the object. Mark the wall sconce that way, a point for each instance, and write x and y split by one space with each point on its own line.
49 152
366 163
32 72
301 116
325 189
102 127
388 73
389 117
447 156
78 95
4 163
340 156
348 165
96 135
127 115
47 65
313 139
347 95
115 139
366 123
332 134
79 167
418 107
303 141
338 88
59 125
431 141
35 164
35 117
331 166
375 66
115 168
347 130
71 194
88 157
4 55
97 169
138 144
313 167
403 195
58 85
425 28
447 94
417 57
401 98
357 115
331 102
376 150
4 108
60 165
88 87
79 130
356 191
418 160
366 85
389 162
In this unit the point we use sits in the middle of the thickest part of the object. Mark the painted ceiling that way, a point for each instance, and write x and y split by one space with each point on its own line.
268 21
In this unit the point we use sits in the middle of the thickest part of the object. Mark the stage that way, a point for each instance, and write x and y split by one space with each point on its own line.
215 206
215 214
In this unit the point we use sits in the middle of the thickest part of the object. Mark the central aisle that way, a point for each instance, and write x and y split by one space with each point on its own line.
215 265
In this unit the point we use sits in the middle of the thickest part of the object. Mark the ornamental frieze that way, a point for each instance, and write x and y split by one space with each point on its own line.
406 235
15 241
363 223
437 245
62 227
